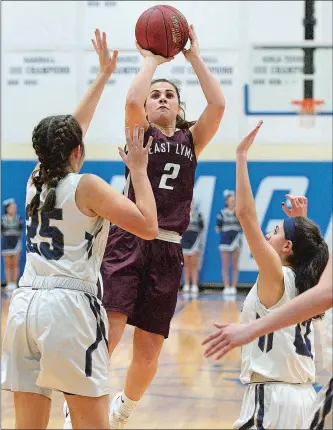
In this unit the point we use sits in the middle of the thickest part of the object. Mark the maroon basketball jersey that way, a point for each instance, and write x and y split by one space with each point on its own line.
171 171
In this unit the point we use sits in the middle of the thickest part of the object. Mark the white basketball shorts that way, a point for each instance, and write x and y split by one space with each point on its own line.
56 339
275 406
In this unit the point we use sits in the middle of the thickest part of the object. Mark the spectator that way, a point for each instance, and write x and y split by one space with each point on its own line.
190 244
11 232
229 228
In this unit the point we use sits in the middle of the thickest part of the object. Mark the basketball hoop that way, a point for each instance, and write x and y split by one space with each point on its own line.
308 111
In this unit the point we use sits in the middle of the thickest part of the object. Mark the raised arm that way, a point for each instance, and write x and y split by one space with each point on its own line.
86 108
270 285
207 125
303 307
95 197
139 89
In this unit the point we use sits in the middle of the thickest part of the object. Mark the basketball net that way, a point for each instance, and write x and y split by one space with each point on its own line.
308 111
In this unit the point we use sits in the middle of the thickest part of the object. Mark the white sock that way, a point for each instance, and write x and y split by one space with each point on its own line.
127 401
125 405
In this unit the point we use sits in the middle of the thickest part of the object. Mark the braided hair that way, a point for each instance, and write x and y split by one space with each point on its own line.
53 140
181 122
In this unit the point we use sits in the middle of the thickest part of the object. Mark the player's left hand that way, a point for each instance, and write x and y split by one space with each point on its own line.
193 51
226 338
299 206
246 143
136 158
107 63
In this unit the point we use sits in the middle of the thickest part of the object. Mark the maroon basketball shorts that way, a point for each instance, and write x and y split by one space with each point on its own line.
141 279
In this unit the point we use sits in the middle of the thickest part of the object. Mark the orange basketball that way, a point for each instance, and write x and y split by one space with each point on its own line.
163 30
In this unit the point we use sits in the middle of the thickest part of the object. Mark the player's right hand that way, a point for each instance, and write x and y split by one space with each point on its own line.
136 158
159 59
299 206
226 338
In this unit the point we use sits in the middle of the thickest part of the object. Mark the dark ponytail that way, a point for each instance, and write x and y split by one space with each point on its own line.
309 272
310 254
181 122
53 139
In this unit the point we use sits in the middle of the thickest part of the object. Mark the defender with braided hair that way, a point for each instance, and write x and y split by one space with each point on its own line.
66 134
57 331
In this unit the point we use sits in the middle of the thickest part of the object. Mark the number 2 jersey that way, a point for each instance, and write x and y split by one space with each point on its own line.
64 241
171 171
286 355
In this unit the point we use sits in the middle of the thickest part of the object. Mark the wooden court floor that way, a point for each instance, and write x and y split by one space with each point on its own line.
189 391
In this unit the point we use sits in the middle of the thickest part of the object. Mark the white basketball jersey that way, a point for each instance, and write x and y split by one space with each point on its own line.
64 241
285 355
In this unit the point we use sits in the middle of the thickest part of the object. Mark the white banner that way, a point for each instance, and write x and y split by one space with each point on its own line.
277 78
39 25
35 85
48 64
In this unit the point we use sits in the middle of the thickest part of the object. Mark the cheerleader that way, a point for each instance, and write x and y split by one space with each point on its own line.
11 232
229 228
190 245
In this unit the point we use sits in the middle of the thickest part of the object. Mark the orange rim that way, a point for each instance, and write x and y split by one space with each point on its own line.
308 106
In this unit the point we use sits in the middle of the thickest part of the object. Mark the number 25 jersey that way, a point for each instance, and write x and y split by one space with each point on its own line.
171 171
64 241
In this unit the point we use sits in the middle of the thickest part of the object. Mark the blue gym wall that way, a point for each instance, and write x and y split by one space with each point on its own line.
319 193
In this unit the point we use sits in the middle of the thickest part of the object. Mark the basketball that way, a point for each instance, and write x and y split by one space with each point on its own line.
163 30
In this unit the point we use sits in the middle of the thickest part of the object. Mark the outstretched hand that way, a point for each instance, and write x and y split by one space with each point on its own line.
226 338
248 140
136 158
107 63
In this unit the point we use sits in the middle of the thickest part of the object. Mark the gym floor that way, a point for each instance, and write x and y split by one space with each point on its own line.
189 391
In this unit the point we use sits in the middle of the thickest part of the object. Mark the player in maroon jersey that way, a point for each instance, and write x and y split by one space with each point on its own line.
141 278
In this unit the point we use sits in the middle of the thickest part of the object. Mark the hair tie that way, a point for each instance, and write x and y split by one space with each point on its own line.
289 228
